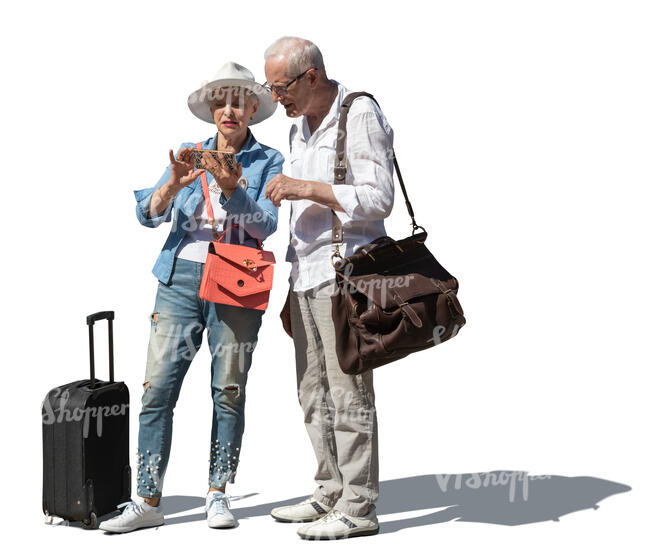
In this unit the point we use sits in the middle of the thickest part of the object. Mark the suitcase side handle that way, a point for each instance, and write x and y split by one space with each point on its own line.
90 320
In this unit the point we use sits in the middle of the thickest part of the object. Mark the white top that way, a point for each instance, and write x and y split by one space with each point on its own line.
366 196
194 246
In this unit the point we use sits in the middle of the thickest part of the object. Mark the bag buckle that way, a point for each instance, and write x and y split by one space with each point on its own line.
341 168
336 253
250 264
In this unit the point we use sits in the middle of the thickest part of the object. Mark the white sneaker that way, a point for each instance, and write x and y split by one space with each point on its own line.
336 525
305 511
135 515
217 510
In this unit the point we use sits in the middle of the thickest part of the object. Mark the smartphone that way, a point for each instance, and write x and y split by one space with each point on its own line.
197 154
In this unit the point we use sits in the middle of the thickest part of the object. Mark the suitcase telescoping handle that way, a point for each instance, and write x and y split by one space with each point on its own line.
90 320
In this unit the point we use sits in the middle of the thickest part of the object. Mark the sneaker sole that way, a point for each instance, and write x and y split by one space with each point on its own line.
223 525
126 529
297 520
342 536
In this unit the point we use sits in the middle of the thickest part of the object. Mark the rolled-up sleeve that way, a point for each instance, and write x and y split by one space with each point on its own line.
259 216
143 201
370 166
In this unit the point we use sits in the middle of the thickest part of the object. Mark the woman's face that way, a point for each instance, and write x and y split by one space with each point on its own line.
232 108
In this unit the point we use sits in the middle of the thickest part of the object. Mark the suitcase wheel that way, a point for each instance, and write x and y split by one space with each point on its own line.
90 523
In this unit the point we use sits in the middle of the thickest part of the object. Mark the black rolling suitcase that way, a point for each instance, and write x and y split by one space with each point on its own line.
86 470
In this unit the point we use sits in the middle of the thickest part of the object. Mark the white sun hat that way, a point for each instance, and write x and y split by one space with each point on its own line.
231 74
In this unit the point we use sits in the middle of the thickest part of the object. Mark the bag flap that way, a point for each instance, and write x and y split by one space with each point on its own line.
388 291
242 256
396 291
237 279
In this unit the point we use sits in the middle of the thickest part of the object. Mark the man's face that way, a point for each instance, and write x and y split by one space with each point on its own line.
296 99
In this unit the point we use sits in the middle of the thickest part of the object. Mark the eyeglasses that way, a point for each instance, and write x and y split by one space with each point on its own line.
281 90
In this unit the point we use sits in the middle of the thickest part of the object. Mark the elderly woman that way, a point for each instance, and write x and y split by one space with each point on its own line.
233 101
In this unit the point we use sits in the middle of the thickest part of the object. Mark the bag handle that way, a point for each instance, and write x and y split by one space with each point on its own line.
90 321
341 166
259 244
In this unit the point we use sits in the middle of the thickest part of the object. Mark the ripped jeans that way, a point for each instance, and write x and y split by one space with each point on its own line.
177 325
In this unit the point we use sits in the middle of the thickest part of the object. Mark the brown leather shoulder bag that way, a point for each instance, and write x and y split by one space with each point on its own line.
393 297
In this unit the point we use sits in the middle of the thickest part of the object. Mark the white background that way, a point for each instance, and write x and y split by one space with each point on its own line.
525 152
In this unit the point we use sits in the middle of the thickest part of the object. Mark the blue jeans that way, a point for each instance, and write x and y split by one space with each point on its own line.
177 325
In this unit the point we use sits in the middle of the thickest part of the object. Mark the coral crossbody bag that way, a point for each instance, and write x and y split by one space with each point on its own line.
235 275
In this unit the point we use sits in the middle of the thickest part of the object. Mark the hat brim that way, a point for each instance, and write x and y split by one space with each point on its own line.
199 100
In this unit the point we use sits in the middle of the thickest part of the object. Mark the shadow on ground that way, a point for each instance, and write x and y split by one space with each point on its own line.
499 497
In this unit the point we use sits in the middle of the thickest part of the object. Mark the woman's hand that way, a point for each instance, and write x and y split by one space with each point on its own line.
226 178
182 169
182 174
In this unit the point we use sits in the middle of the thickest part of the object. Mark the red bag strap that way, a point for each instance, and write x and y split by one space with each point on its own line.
206 193
208 206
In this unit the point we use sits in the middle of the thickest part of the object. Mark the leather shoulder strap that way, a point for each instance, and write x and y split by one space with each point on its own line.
341 165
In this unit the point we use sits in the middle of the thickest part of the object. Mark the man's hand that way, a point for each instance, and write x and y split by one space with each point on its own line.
282 187
285 315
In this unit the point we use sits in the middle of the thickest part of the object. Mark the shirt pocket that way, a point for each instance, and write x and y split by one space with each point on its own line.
324 160
317 163
296 160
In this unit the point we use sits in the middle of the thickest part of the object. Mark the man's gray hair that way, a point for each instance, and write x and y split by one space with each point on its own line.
301 55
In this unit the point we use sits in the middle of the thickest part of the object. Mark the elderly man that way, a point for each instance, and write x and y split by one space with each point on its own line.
339 408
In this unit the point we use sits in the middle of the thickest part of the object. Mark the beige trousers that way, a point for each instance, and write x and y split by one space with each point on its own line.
339 409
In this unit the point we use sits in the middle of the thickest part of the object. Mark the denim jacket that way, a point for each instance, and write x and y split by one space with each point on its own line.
258 214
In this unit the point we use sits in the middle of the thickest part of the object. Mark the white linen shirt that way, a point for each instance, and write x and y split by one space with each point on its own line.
366 196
